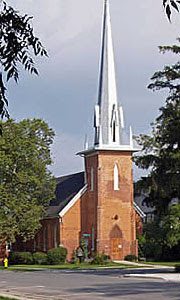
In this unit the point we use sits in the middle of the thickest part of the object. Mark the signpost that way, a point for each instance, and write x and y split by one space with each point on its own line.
86 236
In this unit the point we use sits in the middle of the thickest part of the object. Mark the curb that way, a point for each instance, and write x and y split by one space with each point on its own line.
175 278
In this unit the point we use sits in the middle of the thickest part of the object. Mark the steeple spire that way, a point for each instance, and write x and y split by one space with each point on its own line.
108 121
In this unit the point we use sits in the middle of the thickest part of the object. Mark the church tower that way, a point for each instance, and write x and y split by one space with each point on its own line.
110 215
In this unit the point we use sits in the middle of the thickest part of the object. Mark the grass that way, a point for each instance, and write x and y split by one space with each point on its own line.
81 266
5 298
168 264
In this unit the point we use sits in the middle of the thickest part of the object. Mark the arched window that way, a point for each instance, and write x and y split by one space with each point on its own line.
92 179
116 178
55 236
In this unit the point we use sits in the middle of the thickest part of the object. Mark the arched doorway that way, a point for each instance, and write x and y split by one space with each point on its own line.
116 239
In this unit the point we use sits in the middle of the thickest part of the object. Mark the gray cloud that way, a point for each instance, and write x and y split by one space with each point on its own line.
65 92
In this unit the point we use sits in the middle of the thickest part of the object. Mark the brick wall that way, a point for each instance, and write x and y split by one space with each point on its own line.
108 208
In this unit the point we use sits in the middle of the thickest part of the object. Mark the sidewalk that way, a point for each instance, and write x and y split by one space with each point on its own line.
125 262
167 275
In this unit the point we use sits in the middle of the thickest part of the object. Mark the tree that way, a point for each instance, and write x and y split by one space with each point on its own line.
26 186
161 150
169 5
171 225
18 45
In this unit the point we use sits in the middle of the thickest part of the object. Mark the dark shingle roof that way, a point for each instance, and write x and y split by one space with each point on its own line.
67 187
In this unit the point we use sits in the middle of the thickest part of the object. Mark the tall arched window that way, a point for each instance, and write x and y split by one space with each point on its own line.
116 178
55 236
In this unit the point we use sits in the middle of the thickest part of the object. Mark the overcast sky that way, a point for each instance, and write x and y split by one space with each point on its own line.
65 93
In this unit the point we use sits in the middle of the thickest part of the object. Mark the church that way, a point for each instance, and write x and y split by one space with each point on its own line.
99 202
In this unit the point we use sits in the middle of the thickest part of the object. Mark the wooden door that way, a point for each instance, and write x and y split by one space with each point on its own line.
116 249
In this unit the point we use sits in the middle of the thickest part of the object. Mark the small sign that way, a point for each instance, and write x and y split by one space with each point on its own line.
79 252
120 246
86 234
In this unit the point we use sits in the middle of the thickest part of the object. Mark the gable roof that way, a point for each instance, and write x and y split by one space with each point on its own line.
66 189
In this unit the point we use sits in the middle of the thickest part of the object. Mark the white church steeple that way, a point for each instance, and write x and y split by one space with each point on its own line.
108 115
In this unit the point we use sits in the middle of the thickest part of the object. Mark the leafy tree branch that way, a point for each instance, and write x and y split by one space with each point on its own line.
18 47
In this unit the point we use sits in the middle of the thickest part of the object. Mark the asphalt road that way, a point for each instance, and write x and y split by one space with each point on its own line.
86 285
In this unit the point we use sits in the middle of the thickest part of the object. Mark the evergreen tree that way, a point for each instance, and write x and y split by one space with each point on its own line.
26 186
161 150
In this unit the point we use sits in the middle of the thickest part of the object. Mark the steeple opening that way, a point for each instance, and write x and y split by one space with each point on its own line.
114 131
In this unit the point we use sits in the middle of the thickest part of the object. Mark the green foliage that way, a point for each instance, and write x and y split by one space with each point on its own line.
40 258
83 244
161 156
162 237
99 259
57 256
141 245
20 258
26 186
131 257
17 42
161 150
171 225
74 259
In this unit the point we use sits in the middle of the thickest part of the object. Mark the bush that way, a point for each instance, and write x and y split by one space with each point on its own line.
40 258
141 246
153 251
57 256
20 258
99 259
177 268
74 259
131 257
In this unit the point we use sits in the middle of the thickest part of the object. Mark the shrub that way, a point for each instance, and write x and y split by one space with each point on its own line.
153 251
74 259
131 257
56 256
141 246
99 259
20 258
177 268
40 258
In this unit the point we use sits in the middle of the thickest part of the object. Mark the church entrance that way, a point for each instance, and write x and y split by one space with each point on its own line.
116 243
116 249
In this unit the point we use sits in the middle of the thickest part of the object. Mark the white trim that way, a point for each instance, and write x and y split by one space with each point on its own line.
73 201
89 153
139 210
114 147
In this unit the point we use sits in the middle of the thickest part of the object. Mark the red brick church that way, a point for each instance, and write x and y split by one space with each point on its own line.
99 201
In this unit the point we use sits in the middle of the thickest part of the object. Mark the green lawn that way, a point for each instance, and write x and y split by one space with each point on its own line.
69 266
168 264
5 298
